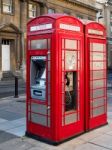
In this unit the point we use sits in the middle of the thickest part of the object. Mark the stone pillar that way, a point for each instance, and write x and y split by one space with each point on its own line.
0 58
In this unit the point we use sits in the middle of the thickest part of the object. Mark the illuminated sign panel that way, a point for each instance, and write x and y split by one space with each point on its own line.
69 27
41 27
97 32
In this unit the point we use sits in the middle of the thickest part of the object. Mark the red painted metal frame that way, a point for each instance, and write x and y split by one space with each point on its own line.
56 132
94 38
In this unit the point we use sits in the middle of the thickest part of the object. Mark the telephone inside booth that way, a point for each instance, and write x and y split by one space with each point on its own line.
38 77
70 90
70 80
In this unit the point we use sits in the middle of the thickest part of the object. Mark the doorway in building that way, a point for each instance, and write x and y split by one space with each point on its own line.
5 55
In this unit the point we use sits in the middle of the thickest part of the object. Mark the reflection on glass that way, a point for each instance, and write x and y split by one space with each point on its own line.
70 44
97 74
97 65
97 56
97 47
70 60
39 44
98 93
97 83
38 77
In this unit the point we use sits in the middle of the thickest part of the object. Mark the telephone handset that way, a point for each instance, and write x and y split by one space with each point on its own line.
67 93
67 80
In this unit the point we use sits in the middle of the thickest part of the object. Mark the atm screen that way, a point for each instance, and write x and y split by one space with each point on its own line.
38 77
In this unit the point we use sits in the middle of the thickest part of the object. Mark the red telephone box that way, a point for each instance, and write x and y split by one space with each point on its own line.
96 86
55 76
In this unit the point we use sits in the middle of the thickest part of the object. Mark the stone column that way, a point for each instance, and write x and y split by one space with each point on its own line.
0 53
0 58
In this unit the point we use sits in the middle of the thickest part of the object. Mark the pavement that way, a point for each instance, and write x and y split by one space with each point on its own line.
12 130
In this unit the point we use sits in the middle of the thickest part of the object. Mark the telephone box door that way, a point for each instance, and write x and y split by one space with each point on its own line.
38 71
71 98
97 83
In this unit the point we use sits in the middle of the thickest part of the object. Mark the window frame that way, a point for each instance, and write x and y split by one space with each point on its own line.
79 16
12 5
111 16
50 8
33 4
111 28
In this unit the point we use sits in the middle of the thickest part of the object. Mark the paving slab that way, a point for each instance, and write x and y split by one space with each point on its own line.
18 122
9 115
15 144
73 143
89 146
6 126
19 131
103 140
4 136
110 133
90 135
2 120
109 115
103 129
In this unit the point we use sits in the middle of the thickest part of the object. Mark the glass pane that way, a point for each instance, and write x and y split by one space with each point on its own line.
98 93
97 74
70 60
30 6
34 13
30 14
37 108
39 119
97 65
98 111
97 47
50 11
6 8
38 77
97 84
98 102
70 118
97 56
39 44
70 44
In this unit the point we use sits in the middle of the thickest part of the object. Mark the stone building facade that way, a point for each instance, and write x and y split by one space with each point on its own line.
105 17
14 15
108 23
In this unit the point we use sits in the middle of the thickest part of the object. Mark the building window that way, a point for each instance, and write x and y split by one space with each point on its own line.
7 6
51 11
111 28
32 10
79 16
111 16
67 12
89 18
